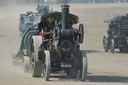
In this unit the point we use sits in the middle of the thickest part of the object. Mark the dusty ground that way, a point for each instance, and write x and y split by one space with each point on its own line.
104 68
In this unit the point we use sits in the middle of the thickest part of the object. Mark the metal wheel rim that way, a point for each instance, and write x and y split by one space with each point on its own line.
44 70
112 46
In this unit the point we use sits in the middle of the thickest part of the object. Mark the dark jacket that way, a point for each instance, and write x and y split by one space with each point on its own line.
42 25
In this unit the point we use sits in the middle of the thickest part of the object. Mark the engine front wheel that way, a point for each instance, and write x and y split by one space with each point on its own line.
26 64
46 65
84 68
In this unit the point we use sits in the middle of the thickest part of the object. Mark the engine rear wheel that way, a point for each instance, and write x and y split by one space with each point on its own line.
46 66
26 64
35 64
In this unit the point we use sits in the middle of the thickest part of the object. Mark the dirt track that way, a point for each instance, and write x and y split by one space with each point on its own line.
104 68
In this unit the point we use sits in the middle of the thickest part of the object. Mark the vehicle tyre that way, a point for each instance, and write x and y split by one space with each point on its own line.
112 46
35 64
46 66
26 64
105 44
84 66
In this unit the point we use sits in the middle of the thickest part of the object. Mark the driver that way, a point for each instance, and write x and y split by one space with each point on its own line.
43 24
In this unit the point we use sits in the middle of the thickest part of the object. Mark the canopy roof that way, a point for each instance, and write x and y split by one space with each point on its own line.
73 19
117 18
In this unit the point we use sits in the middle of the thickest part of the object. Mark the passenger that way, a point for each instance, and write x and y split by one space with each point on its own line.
51 23
111 30
46 25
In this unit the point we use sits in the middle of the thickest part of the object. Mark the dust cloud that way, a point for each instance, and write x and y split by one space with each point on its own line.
9 35
95 29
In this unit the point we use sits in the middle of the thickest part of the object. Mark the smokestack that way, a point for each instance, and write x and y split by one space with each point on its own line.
65 16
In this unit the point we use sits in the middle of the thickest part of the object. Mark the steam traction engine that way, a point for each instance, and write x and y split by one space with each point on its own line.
117 34
60 49
57 49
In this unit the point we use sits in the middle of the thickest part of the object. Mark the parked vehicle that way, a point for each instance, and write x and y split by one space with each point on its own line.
56 49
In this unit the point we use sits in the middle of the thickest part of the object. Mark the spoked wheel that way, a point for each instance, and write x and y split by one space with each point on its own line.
35 64
105 44
112 46
46 66
84 69
26 64
81 33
